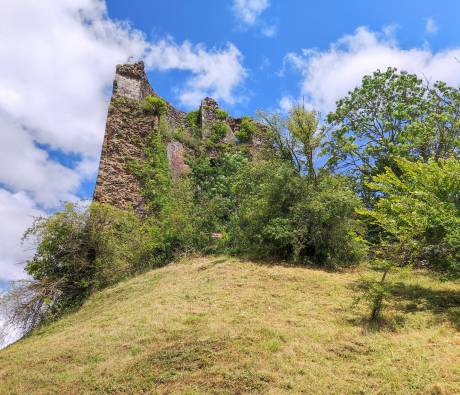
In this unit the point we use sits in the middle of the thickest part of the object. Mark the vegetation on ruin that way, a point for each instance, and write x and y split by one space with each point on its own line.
154 105
247 130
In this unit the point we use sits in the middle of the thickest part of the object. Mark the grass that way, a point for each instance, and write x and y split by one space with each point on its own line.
224 326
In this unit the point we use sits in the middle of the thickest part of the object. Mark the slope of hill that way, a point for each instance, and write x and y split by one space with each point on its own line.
221 325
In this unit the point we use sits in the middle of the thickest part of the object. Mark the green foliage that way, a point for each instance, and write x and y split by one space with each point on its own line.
280 214
218 132
154 105
221 114
214 197
391 115
419 212
376 291
153 173
81 250
194 122
295 139
303 126
246 131
368 124
436 135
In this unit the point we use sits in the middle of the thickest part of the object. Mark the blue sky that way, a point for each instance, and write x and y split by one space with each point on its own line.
299 24
59 57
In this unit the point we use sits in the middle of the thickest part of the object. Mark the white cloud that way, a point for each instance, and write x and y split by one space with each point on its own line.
328 75
430 26
269 30
249 10
248 14
57 66
215 73
17 212
286 103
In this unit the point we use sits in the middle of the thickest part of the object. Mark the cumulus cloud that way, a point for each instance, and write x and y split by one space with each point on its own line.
430 26
328 75
249 10
17 212
215 73
286 103
58 62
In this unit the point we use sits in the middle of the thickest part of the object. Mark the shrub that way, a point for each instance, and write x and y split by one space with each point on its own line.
194 121
221 114
154 105
280 214
79 251
218 131
246 131
153 173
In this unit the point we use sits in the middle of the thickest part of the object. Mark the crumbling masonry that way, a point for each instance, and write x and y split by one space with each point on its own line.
127 130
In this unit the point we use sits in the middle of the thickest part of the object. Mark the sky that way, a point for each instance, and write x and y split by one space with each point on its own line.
58 60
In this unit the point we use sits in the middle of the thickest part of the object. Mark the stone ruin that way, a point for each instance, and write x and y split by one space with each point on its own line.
126 133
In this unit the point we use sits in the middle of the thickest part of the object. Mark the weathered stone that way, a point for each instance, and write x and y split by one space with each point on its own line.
131 82
127 129
176 156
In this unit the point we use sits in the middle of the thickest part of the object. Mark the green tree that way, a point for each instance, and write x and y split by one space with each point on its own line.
418 210
303 126
279 213
436 135
368 125
390 115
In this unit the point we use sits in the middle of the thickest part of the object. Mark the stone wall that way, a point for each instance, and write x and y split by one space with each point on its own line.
127 131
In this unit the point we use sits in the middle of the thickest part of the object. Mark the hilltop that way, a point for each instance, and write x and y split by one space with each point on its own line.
222 325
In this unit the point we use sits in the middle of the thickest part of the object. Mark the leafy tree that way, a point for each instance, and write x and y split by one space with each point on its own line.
303 126
391 115
436 135
418 211
278 142
368 125
212 180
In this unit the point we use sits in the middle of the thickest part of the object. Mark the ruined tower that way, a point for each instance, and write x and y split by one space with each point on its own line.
126 132
127 129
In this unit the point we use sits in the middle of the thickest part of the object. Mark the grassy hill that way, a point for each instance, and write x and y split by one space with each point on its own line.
220 325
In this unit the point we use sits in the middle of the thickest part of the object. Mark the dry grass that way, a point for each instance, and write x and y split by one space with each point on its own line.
219 325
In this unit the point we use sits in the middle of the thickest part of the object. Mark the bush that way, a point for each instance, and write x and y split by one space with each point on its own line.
154 105
153 173
221 114
79 251
218 131
246 131
279 214
194 122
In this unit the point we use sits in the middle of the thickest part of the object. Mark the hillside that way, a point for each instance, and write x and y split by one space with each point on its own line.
220 325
